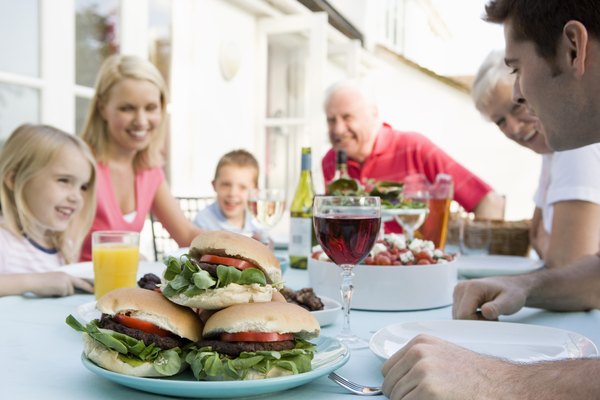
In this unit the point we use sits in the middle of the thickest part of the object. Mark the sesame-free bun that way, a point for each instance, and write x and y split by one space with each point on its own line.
109 359
263 317
153 307
229 244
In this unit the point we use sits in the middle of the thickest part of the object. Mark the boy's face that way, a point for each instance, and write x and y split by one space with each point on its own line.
232 185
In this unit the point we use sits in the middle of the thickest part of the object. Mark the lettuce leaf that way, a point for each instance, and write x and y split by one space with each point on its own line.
131 350
184 276
207 364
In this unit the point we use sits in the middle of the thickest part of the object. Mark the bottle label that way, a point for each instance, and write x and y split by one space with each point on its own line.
300 237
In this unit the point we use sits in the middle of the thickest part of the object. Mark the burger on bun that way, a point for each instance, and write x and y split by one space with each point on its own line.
140 333
255 341
222 269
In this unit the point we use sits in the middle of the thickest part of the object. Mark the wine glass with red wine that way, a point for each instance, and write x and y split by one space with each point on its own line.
346 228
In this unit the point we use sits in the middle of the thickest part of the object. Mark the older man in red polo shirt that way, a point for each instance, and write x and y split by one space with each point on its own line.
377 151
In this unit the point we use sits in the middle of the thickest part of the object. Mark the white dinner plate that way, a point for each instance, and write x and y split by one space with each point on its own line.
495 265
85 269
512 341
331 311
330 355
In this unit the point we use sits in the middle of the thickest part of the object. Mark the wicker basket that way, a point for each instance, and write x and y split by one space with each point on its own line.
507 237
510 237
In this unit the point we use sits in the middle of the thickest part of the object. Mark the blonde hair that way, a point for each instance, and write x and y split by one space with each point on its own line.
492 72
239 158
29 150
95 132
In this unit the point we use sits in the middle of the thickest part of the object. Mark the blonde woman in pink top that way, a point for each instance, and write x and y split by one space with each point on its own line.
126 130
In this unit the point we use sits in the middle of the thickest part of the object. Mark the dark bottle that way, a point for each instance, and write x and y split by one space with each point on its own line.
342 184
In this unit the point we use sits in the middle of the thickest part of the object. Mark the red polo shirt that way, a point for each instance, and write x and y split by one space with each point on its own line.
398 154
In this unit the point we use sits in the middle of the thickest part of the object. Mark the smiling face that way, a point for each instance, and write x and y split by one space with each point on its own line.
56 194
514 119
352 123
231 186
132 112
559 94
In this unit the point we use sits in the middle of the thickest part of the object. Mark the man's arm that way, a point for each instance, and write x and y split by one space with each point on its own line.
538 237
490 207
428 368
574 288
575 232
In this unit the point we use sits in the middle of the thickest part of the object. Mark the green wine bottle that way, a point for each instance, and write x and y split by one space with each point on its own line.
342 184
302 234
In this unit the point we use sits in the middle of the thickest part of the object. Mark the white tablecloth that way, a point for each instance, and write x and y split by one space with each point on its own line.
41 354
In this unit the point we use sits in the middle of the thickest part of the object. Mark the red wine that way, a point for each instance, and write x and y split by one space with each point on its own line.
347 239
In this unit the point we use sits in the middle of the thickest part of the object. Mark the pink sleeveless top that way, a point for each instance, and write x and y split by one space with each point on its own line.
108 213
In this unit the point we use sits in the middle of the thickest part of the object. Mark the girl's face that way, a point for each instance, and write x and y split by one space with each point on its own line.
232 185
132 113
56 194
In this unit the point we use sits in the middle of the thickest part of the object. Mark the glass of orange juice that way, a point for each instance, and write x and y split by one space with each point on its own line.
115 255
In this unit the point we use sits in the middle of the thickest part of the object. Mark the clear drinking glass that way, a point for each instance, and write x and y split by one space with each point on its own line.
266 206
414 210
475 235
115 256
346 228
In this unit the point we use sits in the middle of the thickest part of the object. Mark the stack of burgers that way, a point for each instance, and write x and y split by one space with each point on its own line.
218 311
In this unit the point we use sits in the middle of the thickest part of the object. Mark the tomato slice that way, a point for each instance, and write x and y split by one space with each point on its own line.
256 337
141 325
232 262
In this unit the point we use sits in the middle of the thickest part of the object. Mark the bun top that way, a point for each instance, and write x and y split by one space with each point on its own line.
263 317
229 244
153 307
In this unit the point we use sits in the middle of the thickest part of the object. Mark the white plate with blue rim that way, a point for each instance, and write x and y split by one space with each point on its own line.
476 266
512 341
330 355
85 270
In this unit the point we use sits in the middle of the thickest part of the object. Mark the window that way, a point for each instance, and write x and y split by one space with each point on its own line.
20 72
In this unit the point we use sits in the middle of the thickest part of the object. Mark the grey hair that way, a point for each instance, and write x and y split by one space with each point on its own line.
359 85
492 71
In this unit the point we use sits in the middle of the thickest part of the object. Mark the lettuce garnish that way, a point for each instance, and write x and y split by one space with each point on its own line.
131 350
206 363
184 276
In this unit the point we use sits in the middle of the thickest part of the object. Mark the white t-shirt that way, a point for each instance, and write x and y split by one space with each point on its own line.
568 175
19 255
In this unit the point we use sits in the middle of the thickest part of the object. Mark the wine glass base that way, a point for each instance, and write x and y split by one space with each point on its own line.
353 341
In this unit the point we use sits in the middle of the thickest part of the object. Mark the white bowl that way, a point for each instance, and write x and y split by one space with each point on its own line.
389 288
331 311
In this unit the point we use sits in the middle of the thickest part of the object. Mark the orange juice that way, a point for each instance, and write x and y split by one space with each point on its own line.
115 266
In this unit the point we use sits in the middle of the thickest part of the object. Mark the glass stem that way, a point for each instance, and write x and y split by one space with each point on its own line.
346 290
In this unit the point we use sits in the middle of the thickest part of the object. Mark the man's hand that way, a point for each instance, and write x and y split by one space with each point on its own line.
428 368
488 298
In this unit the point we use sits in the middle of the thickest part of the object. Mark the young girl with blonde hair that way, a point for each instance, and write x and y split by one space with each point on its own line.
126 127
47 201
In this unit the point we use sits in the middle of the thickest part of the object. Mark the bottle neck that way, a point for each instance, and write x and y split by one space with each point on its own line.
306 162
341 172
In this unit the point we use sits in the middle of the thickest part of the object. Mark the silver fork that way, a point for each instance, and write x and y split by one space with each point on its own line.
355 387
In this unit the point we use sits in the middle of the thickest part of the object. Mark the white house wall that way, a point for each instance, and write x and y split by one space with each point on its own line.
211 116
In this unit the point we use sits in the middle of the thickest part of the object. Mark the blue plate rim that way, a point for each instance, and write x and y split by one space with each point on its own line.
175 386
